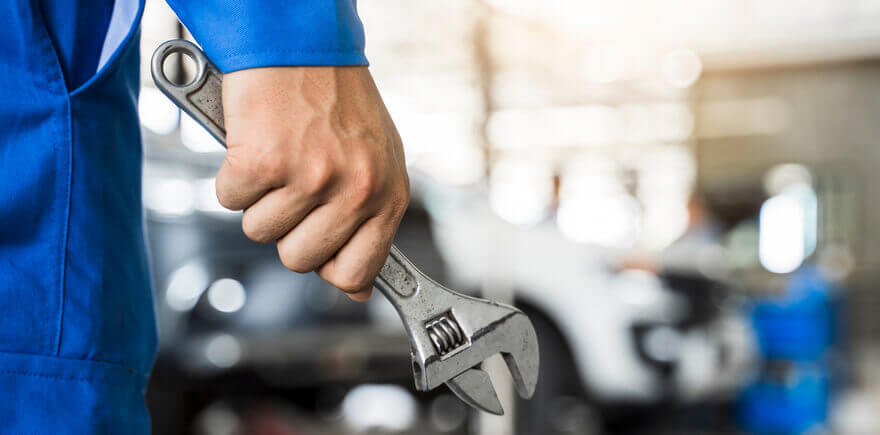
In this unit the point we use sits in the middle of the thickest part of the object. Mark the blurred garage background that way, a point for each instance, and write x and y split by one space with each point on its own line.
678 192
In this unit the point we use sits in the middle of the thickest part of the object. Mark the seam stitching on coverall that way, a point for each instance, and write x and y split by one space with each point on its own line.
60 378
338 51
113 364
52 74
63 286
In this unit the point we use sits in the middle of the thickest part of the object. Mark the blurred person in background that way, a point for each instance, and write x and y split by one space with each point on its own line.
697 248
314 161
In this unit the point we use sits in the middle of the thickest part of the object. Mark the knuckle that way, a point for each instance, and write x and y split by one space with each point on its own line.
225 200
254 229
263 162
269 165
365 185
350 280
295 264
319 175
292 261
229 180
224 196
399 201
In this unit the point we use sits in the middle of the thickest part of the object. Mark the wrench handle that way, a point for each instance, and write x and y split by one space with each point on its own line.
398 278
201 99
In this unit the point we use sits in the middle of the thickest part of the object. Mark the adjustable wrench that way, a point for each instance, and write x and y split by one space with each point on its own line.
450 334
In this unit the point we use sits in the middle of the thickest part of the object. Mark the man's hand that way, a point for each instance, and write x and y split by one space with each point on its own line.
316 164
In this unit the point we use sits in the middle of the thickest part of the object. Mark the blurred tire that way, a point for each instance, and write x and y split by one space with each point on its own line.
560 405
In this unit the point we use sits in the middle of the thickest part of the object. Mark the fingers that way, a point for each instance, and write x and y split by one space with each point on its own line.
275 214
318 237
242 181
316 163
356 265
361 295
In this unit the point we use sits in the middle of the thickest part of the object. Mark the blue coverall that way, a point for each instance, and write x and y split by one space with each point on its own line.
77 326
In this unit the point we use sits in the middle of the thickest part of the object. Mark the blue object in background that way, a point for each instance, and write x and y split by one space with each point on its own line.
800 325
792 402
796 334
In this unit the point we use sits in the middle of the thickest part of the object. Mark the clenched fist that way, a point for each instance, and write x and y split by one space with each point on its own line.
315 162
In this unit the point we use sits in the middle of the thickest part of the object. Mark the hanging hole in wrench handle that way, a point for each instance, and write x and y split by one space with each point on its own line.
201 98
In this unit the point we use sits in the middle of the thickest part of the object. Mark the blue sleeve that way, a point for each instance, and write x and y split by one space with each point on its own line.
239 34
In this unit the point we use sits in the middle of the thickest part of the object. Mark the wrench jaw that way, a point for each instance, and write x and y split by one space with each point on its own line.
523 359
452 334
490 328
474 387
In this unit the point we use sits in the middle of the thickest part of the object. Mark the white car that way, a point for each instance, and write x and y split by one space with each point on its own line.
607 336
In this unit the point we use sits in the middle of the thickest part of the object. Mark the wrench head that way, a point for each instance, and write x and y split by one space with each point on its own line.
451 334
488 328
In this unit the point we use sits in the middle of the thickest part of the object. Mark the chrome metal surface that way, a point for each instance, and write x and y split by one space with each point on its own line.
201 98
445 333
474 387
450 333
